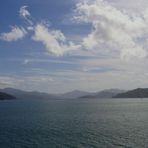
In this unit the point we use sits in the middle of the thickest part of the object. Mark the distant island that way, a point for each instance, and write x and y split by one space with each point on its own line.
136 93
5 96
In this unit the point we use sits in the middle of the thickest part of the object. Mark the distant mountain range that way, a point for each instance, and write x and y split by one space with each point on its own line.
11 93
26 94
70 95
108 93
74 94
34 94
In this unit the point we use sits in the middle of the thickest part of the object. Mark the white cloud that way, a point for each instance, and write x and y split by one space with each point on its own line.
117 29
54 40
15 34
112 28
26 61
24 13
130 5
9 81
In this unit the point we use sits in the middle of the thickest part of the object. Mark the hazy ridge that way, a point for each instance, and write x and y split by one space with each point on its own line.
8 93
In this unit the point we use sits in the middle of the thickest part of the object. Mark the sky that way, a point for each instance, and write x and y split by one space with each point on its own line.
58 46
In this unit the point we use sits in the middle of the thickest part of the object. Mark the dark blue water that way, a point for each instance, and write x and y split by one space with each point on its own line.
108 123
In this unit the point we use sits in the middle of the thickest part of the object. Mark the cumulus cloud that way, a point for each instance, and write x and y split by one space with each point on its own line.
15 34
54 40
114 28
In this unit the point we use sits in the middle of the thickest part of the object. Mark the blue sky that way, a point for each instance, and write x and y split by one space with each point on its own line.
58 46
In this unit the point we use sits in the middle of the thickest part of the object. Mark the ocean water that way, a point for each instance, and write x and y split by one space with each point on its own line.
89 123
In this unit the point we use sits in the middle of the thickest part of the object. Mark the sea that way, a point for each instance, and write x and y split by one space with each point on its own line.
74 123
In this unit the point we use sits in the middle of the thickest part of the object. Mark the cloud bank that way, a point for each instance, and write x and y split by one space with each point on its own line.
117 29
